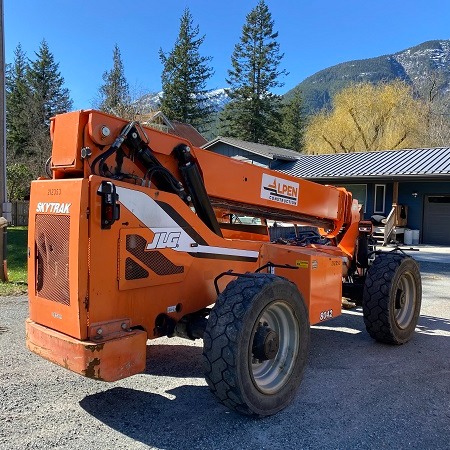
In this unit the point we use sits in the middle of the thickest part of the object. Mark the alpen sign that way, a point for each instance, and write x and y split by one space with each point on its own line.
279 190
53 207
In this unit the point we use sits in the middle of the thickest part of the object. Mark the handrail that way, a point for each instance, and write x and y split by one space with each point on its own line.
389 225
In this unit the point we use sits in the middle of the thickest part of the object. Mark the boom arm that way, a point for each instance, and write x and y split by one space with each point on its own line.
130 152
261 192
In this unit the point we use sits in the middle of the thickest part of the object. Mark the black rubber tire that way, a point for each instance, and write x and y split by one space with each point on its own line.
392 298
231 371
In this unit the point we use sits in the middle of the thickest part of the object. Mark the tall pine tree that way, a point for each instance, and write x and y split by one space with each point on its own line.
184 77
47 86
18 95
34 93
253 113
115 92
293 122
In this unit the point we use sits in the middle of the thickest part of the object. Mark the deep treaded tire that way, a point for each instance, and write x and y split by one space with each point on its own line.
392 298
261 308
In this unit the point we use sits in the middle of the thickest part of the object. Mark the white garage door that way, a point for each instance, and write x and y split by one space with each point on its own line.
436 221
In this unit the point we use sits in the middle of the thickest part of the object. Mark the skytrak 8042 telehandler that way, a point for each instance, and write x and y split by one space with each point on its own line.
132 237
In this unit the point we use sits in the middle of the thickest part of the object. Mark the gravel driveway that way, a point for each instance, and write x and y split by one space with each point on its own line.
356 393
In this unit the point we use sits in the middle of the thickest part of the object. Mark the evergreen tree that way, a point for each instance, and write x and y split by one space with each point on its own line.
17 106
48 98
114 93
184 77
47 86
253 113
293 122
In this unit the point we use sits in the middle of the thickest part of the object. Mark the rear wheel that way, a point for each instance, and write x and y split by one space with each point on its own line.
256 344
392 298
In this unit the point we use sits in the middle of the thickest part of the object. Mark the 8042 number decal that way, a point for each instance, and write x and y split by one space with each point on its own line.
325 315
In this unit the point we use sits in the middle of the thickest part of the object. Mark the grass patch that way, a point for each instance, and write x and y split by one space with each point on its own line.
17 262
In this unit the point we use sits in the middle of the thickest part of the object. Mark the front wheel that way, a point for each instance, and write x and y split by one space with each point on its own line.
256 344
392 298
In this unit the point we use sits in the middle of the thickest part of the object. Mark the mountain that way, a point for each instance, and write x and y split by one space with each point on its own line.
217 97
417 66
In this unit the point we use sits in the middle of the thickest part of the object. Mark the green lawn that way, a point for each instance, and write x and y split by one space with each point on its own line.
17 262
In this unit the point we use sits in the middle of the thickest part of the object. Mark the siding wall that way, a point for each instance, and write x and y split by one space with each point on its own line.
370 206
370 202
416 205
405 197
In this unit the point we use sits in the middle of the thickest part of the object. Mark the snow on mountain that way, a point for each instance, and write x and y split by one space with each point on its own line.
422 66
149 102
425 61
218 98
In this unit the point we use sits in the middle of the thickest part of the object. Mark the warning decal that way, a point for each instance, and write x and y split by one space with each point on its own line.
302 264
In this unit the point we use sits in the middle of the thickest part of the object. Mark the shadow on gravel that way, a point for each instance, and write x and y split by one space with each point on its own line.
347 373
184 361
188 421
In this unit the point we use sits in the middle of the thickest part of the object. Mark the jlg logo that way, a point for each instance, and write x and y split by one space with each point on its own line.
163 239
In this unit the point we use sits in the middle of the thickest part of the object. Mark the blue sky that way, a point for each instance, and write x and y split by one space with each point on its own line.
312 34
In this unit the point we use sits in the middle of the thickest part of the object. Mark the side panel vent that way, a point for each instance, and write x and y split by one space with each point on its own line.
52 253
133 271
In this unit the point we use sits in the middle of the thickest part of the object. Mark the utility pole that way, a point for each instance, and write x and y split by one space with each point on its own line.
3 198
3 221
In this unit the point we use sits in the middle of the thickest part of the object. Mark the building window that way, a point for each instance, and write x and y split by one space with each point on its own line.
379 201
359 191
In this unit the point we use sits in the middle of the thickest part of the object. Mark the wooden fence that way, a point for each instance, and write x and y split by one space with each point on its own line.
19 213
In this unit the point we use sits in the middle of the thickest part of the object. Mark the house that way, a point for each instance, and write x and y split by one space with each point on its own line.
250 152
410 188
157 120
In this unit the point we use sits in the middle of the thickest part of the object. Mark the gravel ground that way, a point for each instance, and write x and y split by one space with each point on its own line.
356 393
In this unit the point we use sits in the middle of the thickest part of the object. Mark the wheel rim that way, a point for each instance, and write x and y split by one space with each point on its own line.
405 300
271 375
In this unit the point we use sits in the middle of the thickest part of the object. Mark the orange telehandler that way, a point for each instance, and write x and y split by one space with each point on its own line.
134 235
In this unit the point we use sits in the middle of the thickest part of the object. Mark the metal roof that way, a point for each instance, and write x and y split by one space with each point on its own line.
415 163
267 151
